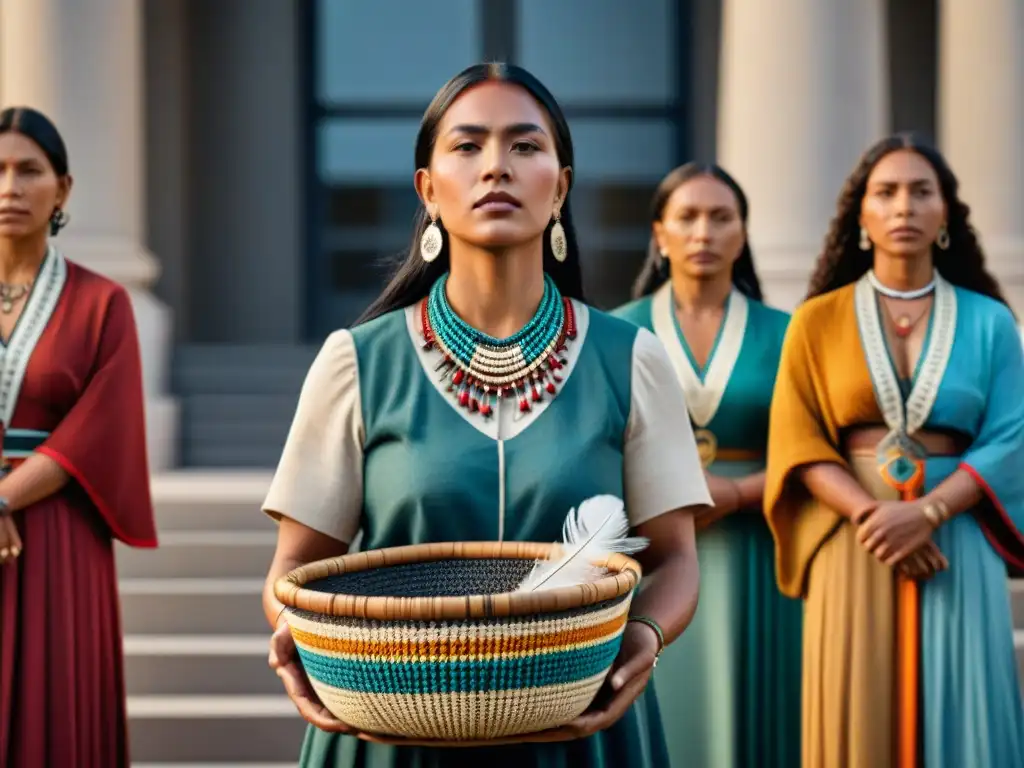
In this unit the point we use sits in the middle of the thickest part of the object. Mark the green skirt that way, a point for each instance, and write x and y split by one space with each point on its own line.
636 741
730 686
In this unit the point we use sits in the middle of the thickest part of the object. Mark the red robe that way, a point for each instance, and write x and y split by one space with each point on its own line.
62 693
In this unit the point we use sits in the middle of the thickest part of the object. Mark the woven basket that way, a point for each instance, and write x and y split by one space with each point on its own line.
426 642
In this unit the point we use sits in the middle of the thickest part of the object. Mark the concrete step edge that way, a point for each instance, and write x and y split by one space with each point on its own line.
209 486
199 706
188 586
197 645
214 538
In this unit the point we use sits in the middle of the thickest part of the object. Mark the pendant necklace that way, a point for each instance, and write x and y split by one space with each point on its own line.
480 369
10 294
903 323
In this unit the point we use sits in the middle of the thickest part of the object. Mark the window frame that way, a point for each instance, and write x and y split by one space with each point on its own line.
497 36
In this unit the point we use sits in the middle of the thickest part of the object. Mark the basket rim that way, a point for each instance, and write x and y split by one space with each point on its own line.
291 591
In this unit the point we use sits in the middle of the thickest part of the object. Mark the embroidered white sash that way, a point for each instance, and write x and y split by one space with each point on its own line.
904 421
703 398
35 316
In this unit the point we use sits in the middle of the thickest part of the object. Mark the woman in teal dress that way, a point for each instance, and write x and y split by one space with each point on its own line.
480 399
729 690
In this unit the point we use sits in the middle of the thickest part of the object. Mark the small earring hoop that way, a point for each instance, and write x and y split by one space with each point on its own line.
942 239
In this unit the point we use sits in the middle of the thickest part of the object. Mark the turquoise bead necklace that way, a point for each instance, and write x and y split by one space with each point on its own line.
479 369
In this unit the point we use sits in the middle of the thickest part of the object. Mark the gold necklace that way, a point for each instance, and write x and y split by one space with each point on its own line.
11 294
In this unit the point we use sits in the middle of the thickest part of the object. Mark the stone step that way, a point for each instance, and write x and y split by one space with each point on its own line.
186 606
199 664
214 729
225 447
201 554
235 430
235 369
211 500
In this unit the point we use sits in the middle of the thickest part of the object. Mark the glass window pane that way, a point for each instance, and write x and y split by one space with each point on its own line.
600 51
366 151
635 150
386 51
358 271
608 276
613 206
363 205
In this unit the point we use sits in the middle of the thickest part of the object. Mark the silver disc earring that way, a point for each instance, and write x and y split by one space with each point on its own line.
559 245
431 241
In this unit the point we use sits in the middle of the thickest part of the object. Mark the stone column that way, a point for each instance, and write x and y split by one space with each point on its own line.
981 125
803 92
81 64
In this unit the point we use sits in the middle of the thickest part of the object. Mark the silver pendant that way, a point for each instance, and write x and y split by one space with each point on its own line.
431 242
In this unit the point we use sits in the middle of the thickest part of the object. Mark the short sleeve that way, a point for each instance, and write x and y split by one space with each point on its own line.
662 467
319 479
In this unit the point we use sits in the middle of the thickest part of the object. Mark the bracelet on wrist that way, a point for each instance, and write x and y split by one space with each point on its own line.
937 512
277 620
649 622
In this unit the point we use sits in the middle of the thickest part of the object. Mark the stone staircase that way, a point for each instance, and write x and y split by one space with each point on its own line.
200 692
237 401
199 689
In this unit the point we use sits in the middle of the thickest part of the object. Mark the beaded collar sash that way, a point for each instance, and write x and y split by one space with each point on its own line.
480 369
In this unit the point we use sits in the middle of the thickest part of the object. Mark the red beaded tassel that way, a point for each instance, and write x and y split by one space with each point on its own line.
428 332
485 403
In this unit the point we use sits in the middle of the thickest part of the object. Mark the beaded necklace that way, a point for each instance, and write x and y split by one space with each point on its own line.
479 369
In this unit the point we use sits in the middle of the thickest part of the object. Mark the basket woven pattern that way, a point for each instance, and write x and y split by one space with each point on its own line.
459 679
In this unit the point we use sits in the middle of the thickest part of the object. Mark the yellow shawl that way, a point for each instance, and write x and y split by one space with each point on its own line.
823 386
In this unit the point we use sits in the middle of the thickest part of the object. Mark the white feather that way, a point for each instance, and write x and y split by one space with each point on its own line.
589 535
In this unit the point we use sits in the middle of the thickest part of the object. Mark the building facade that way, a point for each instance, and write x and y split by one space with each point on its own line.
244 166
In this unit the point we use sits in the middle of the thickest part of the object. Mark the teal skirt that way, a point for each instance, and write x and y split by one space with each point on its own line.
730 686
635 741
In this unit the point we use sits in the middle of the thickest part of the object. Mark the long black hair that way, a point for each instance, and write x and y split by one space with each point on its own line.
655 270
843 262
413 277
36 126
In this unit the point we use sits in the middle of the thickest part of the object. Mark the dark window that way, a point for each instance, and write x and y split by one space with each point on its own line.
374 65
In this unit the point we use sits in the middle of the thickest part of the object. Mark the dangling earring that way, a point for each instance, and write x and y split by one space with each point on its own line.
663 265
942 239
432 241
559 245
865 241
58 220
